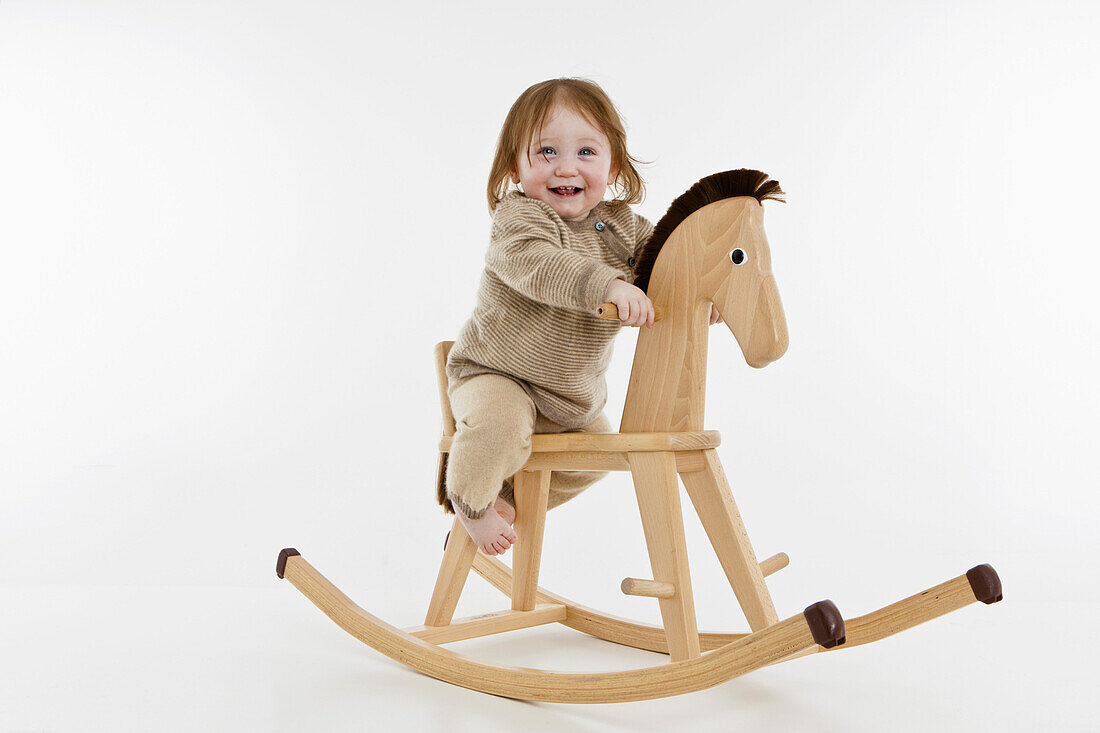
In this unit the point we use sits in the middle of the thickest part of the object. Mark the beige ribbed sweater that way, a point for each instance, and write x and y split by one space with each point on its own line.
535 318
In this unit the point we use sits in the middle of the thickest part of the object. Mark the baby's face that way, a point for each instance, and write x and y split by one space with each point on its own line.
569 166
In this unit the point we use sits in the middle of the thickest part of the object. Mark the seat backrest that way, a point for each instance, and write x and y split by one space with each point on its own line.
442 349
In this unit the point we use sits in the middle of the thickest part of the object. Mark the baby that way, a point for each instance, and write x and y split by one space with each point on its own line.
532 357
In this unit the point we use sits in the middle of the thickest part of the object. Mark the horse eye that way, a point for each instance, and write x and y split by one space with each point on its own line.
737 256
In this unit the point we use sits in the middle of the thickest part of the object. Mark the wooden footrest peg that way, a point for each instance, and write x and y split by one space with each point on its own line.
657 589
648 588
774 563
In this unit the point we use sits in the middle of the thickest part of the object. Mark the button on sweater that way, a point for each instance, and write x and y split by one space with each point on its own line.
535 317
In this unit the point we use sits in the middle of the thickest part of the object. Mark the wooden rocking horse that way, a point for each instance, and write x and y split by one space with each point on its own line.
709 248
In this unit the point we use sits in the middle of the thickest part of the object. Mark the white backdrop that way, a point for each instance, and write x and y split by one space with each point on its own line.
232 232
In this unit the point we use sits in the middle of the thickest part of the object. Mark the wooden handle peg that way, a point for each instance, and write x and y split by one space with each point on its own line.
610 311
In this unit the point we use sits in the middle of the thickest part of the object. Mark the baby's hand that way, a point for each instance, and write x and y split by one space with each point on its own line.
634 307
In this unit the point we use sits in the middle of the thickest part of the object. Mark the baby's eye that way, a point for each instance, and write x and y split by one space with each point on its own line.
588 151
546 151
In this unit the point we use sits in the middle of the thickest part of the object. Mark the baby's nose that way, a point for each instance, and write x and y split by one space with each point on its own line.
567 166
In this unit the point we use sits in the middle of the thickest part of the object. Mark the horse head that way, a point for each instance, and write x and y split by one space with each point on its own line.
722 256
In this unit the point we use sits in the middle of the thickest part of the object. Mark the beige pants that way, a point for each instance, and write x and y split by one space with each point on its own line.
494 421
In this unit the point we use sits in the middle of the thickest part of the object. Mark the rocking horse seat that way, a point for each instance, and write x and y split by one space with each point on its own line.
608 451
614 442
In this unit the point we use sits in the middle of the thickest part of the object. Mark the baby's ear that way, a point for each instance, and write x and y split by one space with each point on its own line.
514 176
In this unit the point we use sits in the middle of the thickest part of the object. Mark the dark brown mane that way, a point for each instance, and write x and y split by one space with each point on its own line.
724 185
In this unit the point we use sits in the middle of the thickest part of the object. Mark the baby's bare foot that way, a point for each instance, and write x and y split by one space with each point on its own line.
491 532
505 510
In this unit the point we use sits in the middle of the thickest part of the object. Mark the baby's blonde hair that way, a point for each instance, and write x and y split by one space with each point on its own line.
529 114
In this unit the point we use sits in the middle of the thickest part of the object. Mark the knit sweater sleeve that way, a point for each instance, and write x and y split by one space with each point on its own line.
643 229
527 252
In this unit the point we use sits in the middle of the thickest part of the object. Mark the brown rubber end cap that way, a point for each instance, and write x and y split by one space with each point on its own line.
280 566
985 583
826 623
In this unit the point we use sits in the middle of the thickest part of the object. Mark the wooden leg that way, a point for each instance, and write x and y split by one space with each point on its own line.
710 493
531 491
457 560
659 504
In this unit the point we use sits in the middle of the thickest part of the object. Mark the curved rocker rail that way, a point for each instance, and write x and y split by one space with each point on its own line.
783 640
980 583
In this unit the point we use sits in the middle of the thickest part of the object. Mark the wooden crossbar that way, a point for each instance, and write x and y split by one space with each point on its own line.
489 623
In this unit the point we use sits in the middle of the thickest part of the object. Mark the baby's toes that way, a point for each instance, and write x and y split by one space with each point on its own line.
509 534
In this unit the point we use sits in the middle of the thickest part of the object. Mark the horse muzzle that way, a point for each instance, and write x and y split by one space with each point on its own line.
768 339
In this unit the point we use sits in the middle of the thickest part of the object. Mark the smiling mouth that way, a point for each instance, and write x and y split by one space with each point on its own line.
567 191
